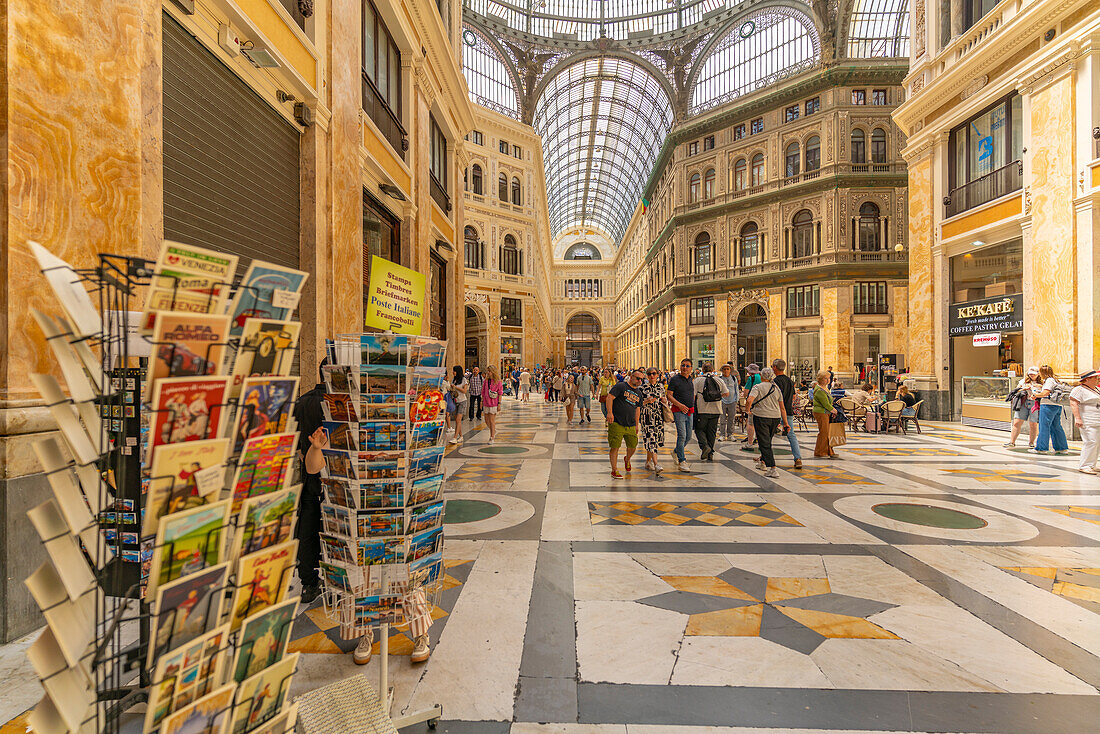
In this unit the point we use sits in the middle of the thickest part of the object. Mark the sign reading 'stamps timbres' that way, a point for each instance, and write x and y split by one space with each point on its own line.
395 299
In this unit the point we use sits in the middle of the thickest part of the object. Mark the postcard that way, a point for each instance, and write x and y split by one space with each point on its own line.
339 407
266 465
174 478
341 379
380 524
263 639
425 461
261 697
337 520
188 541
185 674
375 610
381 470
383 406
425 517
187 345
266 349
68 288
340 492
341 577
425 352
382 436
382 496
206 715
190 278
428 406
384 349
343 436
338 549
381 379
426 435
425 544
283 723
187 409
266 406
378 552
426 571
267 291
426 489
262 580
267 520
187 609
339 464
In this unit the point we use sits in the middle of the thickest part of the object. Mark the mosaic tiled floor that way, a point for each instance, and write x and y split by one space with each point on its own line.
819 474
926 450
758 514
1088 514
995 474
1079 585
486 471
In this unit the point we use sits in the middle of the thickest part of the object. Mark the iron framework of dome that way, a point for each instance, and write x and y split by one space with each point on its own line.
604 81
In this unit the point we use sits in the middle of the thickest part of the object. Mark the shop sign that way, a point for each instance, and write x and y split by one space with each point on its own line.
395 300
987 340
987 315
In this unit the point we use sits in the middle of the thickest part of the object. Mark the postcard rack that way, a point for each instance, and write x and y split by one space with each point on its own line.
136 614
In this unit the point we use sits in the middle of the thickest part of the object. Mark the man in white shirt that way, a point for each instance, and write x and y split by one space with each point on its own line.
1084 401
707 411
525 386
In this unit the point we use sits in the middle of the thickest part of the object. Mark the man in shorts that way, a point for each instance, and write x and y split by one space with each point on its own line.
584 393
524 386
624 409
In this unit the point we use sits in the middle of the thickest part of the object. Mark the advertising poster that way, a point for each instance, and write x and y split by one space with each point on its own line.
395 297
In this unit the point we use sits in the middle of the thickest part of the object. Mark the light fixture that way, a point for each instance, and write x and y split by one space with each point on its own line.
392 191
977 243
260 57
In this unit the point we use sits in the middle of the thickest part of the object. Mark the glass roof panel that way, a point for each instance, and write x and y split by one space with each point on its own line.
486 75
602 122
584 20
759 50
878 28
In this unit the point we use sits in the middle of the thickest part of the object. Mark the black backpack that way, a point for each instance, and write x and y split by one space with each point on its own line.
712 391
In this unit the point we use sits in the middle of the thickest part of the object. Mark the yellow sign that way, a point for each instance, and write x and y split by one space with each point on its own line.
395 299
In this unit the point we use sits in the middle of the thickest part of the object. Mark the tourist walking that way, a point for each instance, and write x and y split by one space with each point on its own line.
709 392
681 396
584 396
558 385
652 419
624 408
729 403
569 395
765 404
476 383
525 386
823 408
1025 409
786 386
492 394
459 391
1084 401
607 379
752 379
1050 414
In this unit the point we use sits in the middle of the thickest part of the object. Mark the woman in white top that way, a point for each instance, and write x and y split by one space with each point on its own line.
1084 401
459 391
1028 412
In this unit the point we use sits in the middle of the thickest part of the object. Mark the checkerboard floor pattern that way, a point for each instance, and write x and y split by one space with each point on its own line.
487 471
700 514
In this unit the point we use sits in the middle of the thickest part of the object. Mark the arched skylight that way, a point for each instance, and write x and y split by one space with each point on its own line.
584 20
602 122
878 28
756 51
486 75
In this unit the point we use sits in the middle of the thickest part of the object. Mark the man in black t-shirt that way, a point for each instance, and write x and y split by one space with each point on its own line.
624 408
681 396
311 439
786 386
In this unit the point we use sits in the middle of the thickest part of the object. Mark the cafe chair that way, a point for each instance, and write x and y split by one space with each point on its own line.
891 416
916 412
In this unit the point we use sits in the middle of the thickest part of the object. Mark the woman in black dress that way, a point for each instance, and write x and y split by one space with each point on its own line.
653 420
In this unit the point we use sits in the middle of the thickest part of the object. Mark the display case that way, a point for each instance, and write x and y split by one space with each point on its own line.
984 402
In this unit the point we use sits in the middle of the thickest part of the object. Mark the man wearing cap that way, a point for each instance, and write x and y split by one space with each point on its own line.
1084 401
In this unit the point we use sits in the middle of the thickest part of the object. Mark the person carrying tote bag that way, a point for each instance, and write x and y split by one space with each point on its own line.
823 408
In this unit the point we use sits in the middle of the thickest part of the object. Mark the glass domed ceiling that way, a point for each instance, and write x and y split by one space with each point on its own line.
585 20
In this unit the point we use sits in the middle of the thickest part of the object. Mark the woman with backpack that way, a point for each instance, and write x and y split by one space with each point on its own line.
765 403
458 392
1024 409
1050 398
752 379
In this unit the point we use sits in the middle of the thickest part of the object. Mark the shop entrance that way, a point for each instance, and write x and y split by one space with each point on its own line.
752 337
582 340
476 335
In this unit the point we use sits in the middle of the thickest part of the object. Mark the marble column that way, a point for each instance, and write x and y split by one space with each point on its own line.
492 339
777 346
721 330
836 330
920 354
679 325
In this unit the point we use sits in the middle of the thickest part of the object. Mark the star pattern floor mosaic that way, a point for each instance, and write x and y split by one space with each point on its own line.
758 514
1088 514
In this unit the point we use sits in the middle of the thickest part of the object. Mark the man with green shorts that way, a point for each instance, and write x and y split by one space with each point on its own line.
624 409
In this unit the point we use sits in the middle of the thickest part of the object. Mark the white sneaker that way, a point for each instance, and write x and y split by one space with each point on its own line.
364 650
491 439
657 468
421 650
1009 445
684 466
453 440
773 473
1087 470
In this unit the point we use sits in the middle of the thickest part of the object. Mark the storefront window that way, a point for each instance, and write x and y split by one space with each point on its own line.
987 142
702 350
987 272
803 355
511 345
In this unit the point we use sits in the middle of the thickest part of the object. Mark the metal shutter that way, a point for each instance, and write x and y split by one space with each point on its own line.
231 178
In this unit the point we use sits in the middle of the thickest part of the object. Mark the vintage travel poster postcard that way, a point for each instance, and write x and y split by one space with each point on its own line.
175 474
207 715
187 409
267 291
187 542
187 345
266 520
190 279
267 348
263 639
262 696
266 407
185 675
262 580
266 465
187 609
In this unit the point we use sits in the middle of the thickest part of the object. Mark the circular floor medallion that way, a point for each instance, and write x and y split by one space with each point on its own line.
463 511
520 425
502 450
929 516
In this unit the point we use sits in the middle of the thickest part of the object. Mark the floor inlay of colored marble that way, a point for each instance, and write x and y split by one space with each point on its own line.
902 451
833 475
1078 585
459 511
703 514
486 471
1017 476
797 613
515 436
1088 514
929 515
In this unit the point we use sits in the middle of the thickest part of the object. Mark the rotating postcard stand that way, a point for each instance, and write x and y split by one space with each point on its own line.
382 515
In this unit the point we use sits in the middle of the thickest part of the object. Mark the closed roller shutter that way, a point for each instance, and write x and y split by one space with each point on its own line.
231 178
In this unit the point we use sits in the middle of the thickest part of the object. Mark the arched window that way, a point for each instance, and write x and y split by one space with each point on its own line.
693 188
476 179
475 256
793 160
517 195
510 257
757 170
859 147
750 244
740 174
502 188
869 227
813 153
878 145
702 253
802 234
708 184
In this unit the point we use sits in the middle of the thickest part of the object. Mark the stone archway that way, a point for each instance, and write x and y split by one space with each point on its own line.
752 337
475 350
582 340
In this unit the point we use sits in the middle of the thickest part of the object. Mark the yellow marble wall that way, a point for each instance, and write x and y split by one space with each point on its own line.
721 330
74 129
920 353
345 303
1050 311
899 324
836 328
777 346
679 330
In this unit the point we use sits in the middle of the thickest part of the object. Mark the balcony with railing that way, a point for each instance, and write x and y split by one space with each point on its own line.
439 194
993 185
384 118
770 267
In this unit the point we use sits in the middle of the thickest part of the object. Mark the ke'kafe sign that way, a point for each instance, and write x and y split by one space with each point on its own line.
987 340
1001 313
395 300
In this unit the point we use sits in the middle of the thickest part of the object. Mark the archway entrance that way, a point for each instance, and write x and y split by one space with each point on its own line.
752 337
582 340
477 336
